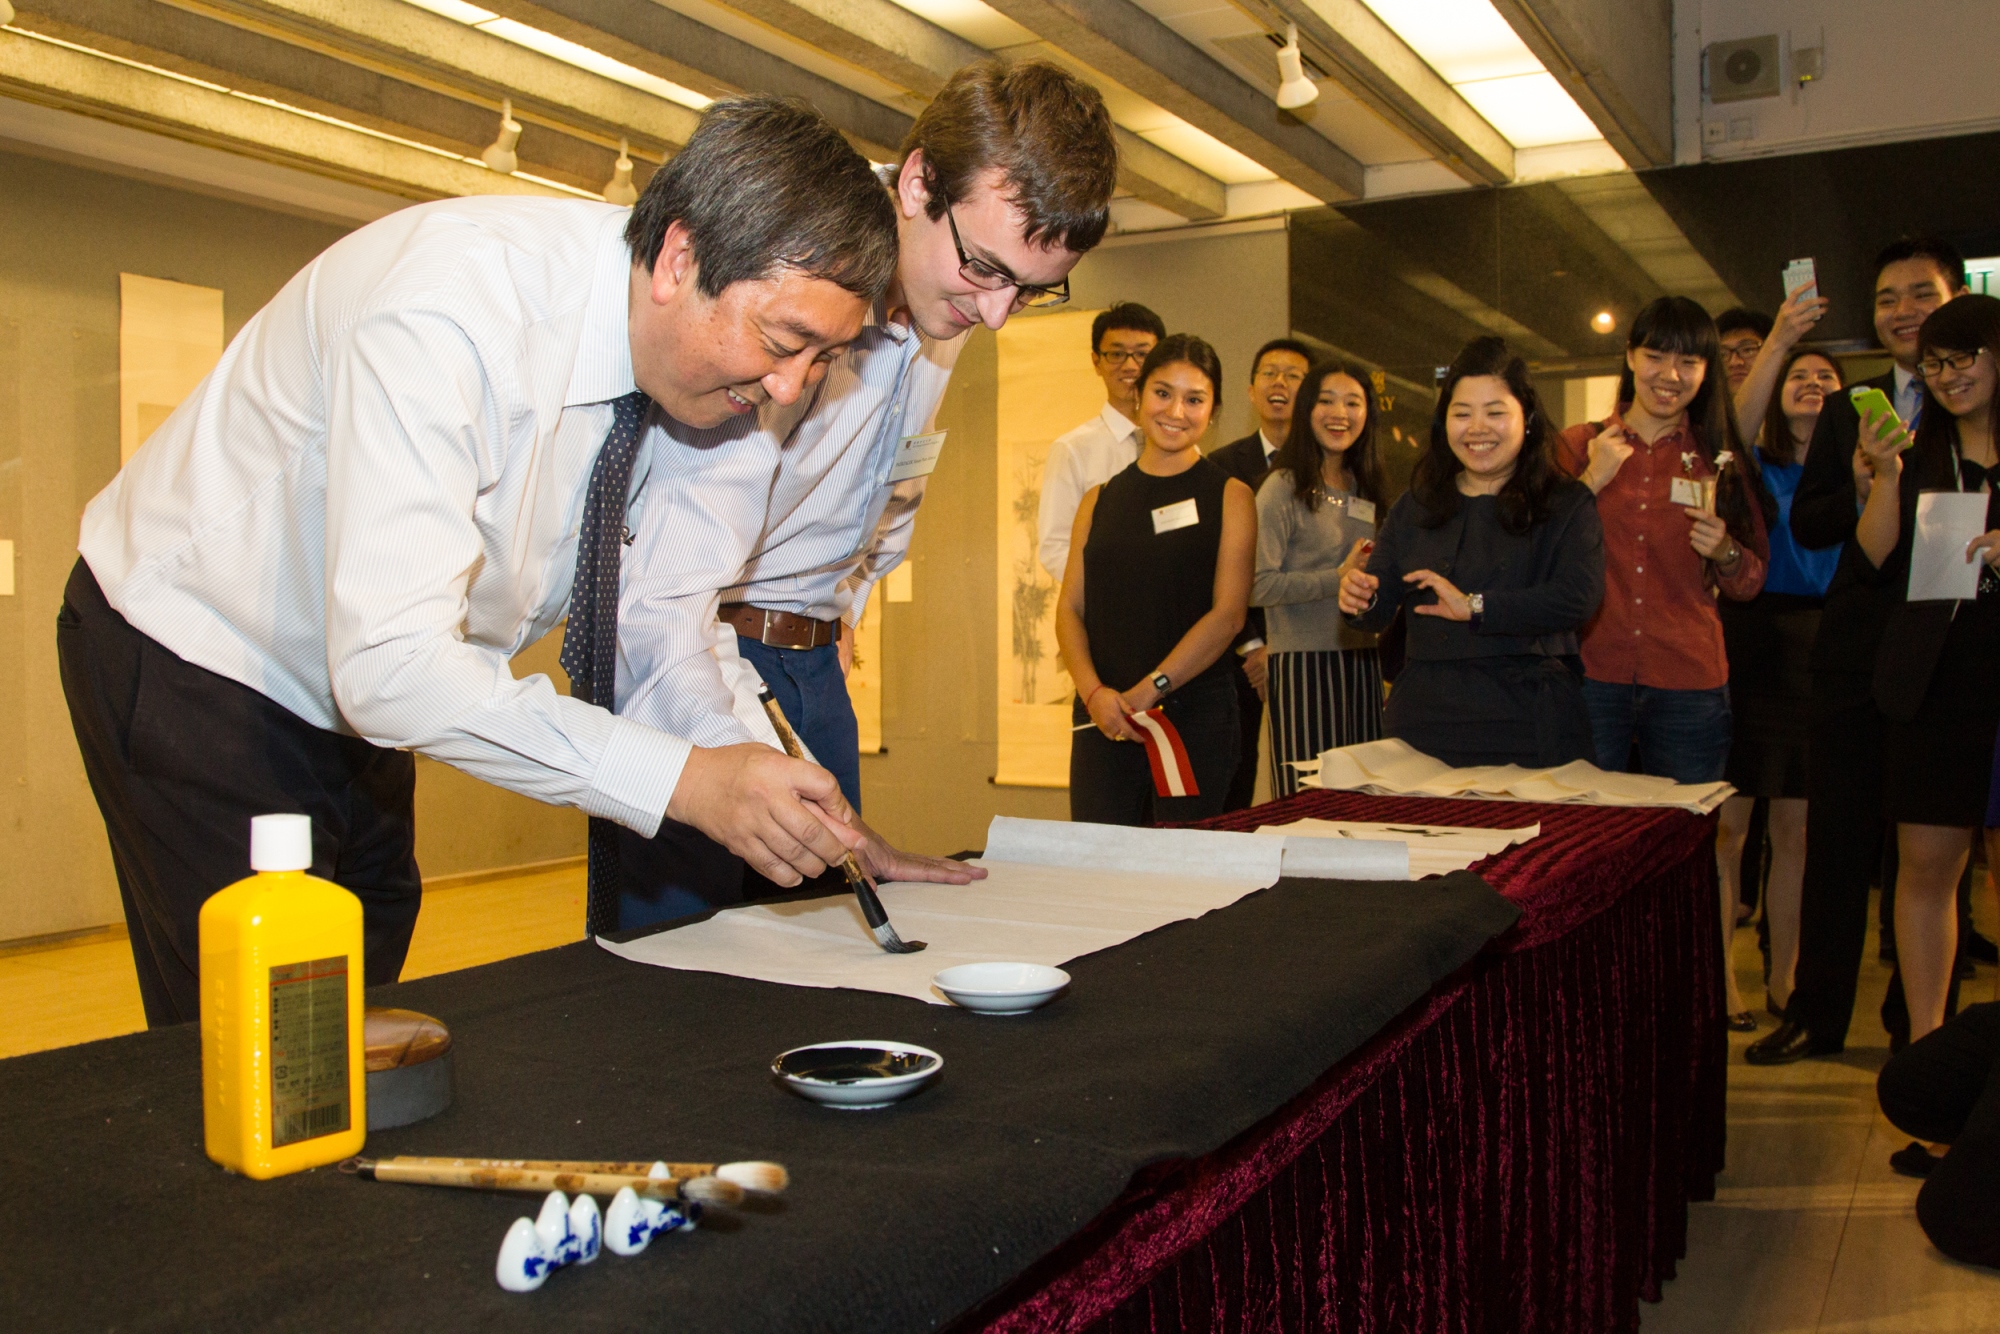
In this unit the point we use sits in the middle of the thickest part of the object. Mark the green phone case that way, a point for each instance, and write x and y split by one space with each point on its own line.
1870 402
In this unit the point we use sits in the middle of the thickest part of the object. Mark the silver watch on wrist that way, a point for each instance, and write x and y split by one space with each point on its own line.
1161 682
1477 602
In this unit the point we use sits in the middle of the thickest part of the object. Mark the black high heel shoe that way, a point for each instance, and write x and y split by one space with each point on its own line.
1741 1022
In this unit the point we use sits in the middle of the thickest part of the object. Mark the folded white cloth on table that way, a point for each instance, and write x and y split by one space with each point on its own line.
1434 849
1054 891
1392 768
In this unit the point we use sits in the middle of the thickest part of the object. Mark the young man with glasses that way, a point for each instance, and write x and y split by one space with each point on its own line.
1276 373
1099 449
754 559
1844 829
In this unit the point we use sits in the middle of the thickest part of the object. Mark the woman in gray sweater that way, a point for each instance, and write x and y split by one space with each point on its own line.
1316 513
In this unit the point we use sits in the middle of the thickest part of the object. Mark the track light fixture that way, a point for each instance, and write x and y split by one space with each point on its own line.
1294 88
619 189
499 154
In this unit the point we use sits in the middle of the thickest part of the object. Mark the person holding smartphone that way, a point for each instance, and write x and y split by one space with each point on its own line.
1316 517
1499 559
1937 675
1155 590
1769 641
1913 277
1684 519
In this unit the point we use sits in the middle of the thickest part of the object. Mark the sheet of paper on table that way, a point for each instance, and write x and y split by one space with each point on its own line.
1392 768
1434 849
1946 524
1054 891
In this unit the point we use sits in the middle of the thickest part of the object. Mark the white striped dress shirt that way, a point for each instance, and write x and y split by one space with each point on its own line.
372 502
794 512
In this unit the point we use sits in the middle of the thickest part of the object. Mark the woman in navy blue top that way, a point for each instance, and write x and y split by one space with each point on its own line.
1769 640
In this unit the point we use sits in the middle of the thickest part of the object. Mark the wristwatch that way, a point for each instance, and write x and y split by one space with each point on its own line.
1477 601
1161 683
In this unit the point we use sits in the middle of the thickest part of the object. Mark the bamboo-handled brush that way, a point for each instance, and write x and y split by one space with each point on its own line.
538 1177
857 879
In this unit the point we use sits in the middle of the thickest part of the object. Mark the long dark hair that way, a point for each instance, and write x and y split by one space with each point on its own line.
1775 443
1524 500
1968 323
1301 455
1195 352
1680 327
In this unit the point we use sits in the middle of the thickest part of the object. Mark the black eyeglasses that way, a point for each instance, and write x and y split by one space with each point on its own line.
992 278
1933 366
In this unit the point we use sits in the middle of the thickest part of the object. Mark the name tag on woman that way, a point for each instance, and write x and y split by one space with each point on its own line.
1361 510
1180 514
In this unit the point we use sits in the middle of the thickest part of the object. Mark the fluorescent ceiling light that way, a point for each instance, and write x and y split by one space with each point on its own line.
570 53
1460 39
972 21
1530 110
287 107
1475 51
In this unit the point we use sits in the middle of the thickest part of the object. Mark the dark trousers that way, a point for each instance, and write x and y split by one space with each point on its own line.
1249 727
181 758
1847 848
1111 782
680 871
1945 1087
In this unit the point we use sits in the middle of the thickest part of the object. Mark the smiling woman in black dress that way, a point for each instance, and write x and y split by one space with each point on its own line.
1156 588
1499 559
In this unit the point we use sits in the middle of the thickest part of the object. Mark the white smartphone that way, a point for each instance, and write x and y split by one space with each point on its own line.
1800 276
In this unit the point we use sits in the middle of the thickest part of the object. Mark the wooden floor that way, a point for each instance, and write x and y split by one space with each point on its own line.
1810 1232
79 993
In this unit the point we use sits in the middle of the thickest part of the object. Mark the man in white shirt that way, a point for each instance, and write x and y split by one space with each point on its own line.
1005 182
1095 452
325 557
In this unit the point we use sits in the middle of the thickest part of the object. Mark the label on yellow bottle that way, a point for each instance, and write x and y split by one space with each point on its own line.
309 1091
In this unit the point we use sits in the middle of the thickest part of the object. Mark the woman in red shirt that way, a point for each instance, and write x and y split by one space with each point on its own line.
1656 677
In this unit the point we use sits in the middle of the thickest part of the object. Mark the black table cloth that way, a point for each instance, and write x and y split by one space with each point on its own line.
1165 1048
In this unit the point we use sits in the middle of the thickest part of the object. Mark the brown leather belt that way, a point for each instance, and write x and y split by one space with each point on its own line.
778 629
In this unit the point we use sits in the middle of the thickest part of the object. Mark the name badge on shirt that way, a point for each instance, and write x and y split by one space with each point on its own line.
916 456
1363 510
1686 491
1180 514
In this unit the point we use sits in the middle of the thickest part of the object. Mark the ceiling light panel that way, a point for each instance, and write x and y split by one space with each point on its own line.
1529 110
570 53
978 23
1462 40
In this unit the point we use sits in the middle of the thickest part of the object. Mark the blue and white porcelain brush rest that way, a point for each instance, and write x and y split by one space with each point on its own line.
563 1234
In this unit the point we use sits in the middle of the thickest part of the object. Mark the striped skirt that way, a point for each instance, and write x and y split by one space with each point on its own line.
1319 701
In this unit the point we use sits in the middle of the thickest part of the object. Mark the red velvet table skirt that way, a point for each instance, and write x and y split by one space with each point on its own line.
1516 1152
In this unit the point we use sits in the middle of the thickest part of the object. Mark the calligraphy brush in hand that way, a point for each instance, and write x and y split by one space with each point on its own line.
857 879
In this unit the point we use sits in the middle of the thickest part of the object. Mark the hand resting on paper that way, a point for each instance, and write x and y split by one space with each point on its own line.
1451 604
885 862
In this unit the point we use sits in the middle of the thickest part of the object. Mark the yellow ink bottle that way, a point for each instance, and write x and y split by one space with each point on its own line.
282 1061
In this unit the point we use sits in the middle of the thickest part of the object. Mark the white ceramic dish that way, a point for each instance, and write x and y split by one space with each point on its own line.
857 1074
1001 988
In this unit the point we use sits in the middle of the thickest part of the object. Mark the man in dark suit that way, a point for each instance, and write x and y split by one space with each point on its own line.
1275 374
1844 830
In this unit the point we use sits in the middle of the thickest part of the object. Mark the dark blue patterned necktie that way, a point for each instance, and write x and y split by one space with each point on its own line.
590 643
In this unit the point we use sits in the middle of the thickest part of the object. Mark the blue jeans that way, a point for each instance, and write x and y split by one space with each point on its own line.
681 872
1681 734
811 690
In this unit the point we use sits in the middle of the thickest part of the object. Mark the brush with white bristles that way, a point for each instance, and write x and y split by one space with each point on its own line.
710 1183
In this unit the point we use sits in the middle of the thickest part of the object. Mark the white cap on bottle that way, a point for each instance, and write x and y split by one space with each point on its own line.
281 842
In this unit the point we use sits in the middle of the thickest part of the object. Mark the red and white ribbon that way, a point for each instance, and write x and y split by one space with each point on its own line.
1173 776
